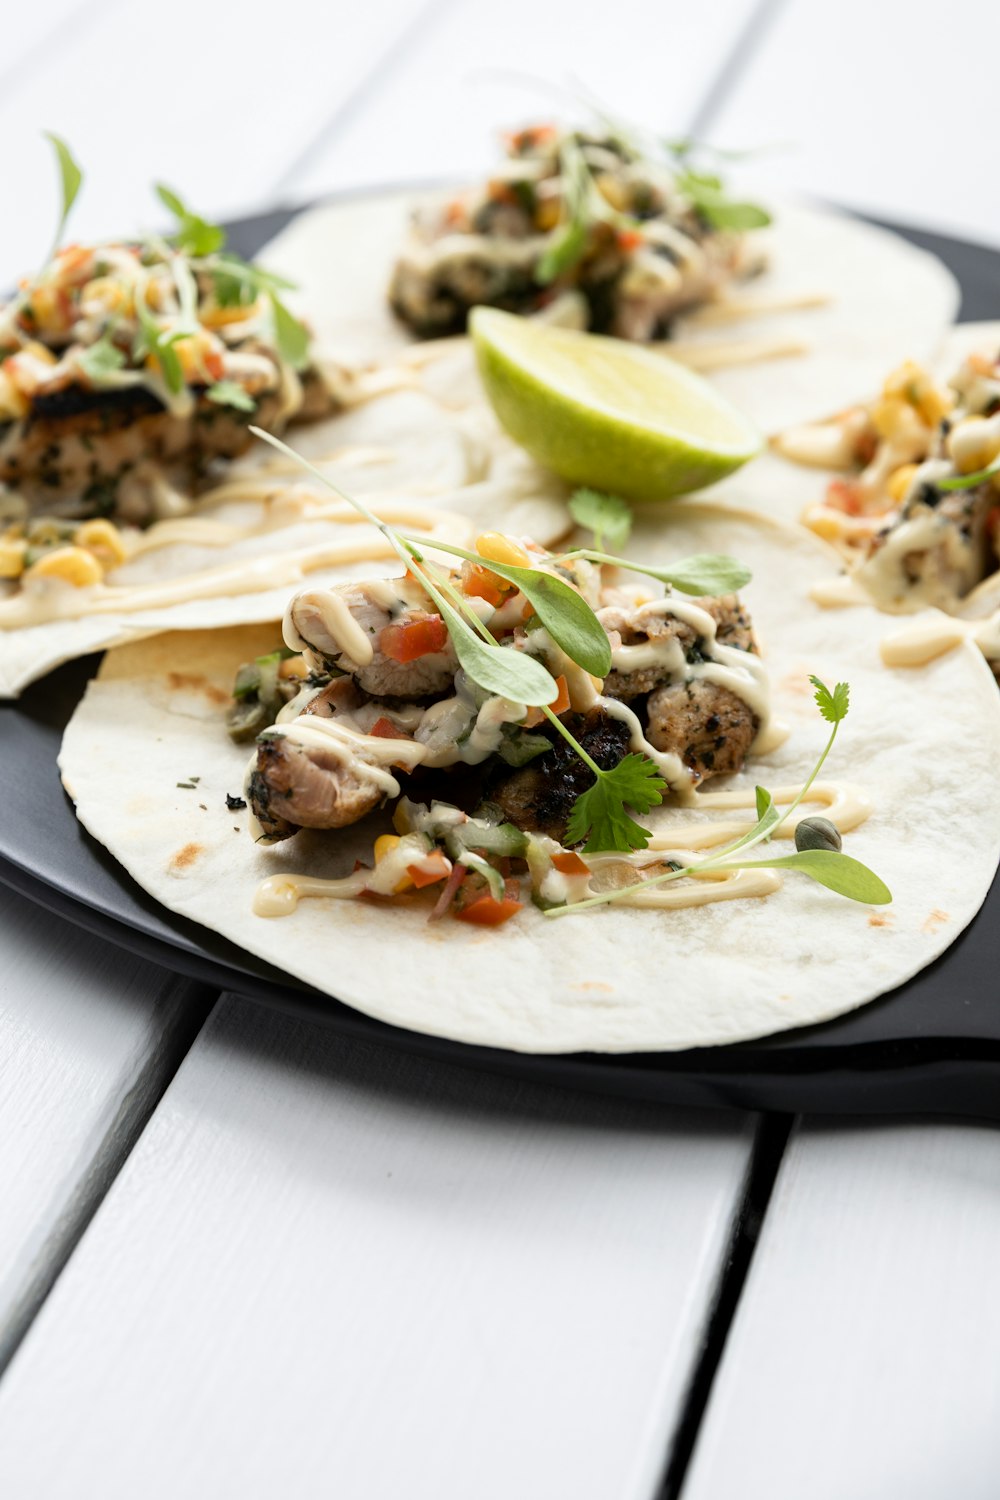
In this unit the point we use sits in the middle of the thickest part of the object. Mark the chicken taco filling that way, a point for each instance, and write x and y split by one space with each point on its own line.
125 362
915 510
637 233
517 745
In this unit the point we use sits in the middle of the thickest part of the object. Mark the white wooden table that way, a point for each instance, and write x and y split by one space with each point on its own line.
241 1256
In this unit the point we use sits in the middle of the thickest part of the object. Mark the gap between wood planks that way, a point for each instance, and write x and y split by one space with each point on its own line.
765 1161
188 1006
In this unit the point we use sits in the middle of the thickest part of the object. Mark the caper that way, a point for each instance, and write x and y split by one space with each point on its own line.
817 833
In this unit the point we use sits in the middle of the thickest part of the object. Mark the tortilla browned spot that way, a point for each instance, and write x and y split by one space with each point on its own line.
186 857
195 682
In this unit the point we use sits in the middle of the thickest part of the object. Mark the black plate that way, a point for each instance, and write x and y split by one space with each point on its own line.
933 1044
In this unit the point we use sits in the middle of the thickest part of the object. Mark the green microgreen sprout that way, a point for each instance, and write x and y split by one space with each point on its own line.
70 181
609 517
968 481
828 867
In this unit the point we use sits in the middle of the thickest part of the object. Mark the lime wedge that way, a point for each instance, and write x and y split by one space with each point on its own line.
605 413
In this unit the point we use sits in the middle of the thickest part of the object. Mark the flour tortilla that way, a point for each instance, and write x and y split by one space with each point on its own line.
922 744
889 301
400 449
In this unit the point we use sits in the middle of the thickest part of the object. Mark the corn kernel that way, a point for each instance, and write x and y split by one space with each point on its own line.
894 418
934 404
294 667
12 550
899 482
104 540
498 548
72 564
974 443
613 191
906 381
385 844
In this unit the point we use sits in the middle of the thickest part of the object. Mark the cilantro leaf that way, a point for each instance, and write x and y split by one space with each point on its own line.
833 706
290 336
607 516
100 359
231 393
706 193
599 814
194 235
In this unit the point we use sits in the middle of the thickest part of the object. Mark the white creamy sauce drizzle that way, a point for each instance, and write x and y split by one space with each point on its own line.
47 599
845 806
925 640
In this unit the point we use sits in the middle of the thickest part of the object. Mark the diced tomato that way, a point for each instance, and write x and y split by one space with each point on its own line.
385 729
629 239
535 716
214 365
480 583
485 911
570 864
842 494
434 868
413 638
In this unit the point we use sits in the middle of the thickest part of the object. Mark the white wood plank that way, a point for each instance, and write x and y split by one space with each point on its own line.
330 1269
216 101
88 1038
882 108
862 1361
438 112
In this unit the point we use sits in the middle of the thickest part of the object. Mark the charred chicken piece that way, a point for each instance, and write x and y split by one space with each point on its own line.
539 797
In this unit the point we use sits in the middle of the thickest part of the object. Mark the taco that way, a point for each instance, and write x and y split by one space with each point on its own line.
639 238
915 506
401 785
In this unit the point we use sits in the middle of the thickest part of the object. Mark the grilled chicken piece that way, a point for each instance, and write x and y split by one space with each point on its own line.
635 627
540 796
76 444
295 786
934 550
710 728
374 606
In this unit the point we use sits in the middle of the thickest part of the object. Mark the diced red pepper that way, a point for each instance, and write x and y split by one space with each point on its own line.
414 638
570 863
430 871
214 364
385 729
843 495
535 716
480 583
629 239
485 911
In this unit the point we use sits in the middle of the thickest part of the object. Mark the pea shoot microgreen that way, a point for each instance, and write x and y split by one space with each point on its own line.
584 205
70 180
609 517
194 235
100 360
828 867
